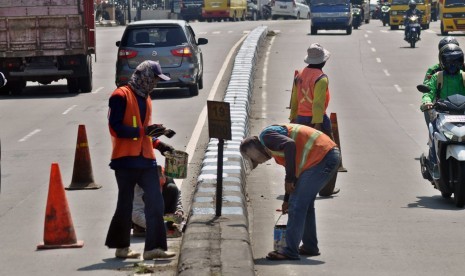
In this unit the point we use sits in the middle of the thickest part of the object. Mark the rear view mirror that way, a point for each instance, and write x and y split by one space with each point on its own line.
202 41
118 43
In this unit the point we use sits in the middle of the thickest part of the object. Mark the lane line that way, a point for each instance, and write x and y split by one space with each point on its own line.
35 131
369 41
190 149
386 72
69 109
265 76
97 90
373 49
398 88
378 60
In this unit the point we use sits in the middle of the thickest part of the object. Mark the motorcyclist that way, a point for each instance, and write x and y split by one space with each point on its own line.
451 59
412 11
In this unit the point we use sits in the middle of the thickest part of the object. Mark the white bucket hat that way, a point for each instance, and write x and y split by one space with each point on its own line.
316 54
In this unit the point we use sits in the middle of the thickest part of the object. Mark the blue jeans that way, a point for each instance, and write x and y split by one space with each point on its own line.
307 121
120 227
301 223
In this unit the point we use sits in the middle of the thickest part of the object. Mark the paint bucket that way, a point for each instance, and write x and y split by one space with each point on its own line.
176 164
279 241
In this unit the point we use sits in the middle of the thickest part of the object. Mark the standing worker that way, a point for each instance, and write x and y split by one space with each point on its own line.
311 97
311 159
133 159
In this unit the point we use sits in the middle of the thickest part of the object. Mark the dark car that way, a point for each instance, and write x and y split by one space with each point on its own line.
191 9
170 42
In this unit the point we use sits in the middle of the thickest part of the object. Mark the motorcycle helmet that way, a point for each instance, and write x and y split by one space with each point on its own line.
447 40
412 4
451 58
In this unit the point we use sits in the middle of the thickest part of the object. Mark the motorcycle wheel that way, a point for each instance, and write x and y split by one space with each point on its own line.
459 189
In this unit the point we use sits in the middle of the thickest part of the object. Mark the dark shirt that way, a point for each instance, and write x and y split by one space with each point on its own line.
117 105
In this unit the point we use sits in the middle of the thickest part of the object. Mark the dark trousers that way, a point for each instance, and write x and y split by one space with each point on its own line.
120 227
170 196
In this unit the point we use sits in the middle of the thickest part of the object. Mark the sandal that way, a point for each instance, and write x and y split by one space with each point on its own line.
304 252
278 256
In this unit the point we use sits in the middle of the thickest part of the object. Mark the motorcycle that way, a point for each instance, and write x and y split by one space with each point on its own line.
447 145
385 10
266 11
413 29
357 16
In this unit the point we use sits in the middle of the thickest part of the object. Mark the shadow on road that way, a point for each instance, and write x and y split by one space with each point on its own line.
434 202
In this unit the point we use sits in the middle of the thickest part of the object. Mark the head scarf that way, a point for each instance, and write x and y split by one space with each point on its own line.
143 80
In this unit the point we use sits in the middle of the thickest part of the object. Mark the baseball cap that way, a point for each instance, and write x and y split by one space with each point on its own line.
156 68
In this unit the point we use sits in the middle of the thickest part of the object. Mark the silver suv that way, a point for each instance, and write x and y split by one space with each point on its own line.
170 42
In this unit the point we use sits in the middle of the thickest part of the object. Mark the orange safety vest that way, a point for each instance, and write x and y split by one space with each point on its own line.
311 147
306 81
132 146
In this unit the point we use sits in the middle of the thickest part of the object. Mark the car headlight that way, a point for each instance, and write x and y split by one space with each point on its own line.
394 13
447 15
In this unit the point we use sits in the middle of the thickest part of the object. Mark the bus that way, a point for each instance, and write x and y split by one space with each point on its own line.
227 10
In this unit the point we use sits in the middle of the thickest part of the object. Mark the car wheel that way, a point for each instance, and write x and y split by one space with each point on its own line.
85 82
73 85
201 82
298 15
194 89
254 16
313 30
308 15
349 30
274 17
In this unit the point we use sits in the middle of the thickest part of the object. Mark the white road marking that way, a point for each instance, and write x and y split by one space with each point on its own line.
373 49
97 90
69 109
265 75
35 131
216 32
398 88
369 41
365 35
190 149
386 72
378 60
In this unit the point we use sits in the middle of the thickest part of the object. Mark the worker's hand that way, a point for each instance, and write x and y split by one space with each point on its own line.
163 147
285 207
426 106
289 187
155 130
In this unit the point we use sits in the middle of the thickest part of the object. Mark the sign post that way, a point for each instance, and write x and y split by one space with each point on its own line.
219 126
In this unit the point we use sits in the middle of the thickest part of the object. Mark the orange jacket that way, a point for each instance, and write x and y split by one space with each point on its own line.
308 102
311 147
136 146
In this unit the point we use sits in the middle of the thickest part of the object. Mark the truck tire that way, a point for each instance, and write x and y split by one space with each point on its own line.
85 82
349 30
16 87
442 30
313 30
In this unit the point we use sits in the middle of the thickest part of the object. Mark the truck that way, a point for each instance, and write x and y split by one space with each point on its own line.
47 40
330 15
227 10
452 16
400 7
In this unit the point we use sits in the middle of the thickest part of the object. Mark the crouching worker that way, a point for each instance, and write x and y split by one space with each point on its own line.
174 212
310 159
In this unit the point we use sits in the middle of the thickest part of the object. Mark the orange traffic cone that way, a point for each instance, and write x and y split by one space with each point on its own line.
334 126
59 229
83 178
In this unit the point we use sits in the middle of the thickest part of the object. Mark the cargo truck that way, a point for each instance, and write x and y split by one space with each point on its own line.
47 40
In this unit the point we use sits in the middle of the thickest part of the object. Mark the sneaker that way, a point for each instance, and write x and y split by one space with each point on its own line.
126 253
158 254
138 231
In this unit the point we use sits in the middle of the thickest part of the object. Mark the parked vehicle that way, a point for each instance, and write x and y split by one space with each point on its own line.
357 16
191 9
445 137
385 11
253 13
227 10
399 7
452 14
170 42
45 41
413 30
266 11
330 15
295 9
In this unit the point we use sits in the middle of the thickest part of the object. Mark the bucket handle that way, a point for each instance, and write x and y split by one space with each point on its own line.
276 223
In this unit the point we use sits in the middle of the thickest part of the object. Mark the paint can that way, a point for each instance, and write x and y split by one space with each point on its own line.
176 164
279 241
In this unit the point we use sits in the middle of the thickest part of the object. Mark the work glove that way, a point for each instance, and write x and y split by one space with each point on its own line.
163 147
155 130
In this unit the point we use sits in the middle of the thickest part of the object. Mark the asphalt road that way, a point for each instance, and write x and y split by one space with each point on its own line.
386 220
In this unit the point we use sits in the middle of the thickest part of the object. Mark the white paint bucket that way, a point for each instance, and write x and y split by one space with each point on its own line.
279 241
176 164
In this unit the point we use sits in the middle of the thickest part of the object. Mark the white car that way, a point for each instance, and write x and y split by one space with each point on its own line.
296 9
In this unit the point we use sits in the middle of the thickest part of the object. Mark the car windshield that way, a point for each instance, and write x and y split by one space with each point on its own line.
328 2
454 3
405 2
158 36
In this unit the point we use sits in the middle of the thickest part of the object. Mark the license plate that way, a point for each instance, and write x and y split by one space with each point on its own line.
283 7
455 119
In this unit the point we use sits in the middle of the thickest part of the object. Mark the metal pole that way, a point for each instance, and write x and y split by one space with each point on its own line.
219 178
129 10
